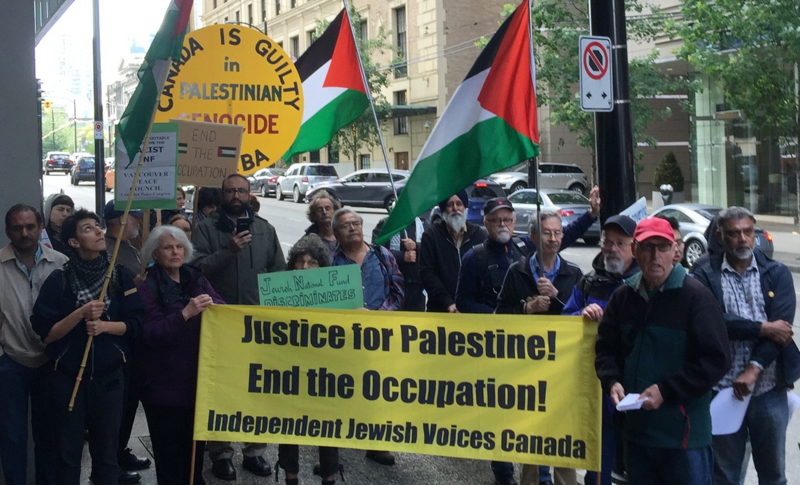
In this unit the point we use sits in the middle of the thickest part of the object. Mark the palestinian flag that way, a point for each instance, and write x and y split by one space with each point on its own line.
332 85
226 152
489 124
183 147
136 119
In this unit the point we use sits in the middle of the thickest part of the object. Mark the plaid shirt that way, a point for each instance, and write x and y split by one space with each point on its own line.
742 296
388 296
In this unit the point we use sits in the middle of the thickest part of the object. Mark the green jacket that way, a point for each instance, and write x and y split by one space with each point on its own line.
235 275
676 339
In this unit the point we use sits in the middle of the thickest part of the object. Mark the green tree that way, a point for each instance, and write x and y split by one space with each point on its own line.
557 25
752 49
362 133
668 172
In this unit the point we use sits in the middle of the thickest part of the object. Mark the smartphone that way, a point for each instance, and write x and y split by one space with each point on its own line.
242 224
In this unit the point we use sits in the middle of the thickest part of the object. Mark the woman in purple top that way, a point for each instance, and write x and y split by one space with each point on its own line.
174 295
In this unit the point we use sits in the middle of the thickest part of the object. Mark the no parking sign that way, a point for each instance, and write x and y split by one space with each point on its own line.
597 92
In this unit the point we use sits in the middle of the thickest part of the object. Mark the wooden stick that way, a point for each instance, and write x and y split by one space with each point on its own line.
194 457
145 235
158 217
123 221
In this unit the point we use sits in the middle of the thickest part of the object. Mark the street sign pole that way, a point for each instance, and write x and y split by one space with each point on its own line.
99 149
613 134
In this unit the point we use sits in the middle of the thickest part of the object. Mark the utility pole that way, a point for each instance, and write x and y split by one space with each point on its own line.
53 126
613 133
99 148
75 124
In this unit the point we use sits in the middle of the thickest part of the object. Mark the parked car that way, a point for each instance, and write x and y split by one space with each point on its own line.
568 204
478 193
364 188
693 220
299 176
83 170
57 162
551 176
265 180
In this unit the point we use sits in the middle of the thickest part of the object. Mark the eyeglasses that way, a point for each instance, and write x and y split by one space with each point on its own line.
620 245
552 234
348 225
650 247
236 191
505 221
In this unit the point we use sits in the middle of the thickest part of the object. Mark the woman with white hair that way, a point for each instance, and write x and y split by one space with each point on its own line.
174 295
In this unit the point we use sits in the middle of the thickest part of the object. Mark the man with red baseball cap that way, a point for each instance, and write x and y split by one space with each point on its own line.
663 336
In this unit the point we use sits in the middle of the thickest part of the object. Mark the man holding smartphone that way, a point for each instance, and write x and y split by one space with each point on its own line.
232 247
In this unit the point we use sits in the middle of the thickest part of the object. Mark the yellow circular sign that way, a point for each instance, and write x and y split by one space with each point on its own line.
237 75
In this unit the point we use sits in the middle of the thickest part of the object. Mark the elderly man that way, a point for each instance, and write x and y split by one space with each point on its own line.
381 280
320 212
662 336
443 245
757 297
232 257
530 288
25 263
589 298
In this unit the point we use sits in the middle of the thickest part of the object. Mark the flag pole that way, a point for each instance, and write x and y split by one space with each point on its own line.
539 255
371 102
123 222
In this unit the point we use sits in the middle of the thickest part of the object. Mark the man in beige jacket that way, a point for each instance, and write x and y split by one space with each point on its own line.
25 263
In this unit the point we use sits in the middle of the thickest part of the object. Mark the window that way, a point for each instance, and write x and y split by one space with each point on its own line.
401 66
294 47
313 156
363 161
401 122
238 17
363 29
321 170
277 7
358 178
250 14
263 10
311 36
333 155
225 20
292 3
213 3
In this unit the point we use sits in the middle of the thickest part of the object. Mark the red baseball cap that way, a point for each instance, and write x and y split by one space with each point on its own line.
653 227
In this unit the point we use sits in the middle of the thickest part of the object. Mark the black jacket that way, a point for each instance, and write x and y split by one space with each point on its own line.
57 300
520 284
674 338
440 262
779 303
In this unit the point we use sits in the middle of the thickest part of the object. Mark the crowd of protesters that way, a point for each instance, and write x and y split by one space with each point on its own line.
675 337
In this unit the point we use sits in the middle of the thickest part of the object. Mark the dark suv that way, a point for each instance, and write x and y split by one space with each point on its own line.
83 170
57 162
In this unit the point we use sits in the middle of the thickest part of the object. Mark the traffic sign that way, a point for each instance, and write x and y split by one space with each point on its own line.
98 130
597 91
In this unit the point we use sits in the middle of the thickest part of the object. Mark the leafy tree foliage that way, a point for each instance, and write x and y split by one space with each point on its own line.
668 172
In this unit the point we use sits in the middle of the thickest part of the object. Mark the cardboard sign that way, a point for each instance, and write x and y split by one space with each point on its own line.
330 287
207 152
157 184
237 75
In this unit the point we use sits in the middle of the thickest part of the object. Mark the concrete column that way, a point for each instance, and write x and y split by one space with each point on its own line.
20 163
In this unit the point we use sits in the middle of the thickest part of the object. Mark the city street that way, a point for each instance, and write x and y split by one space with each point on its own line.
290 220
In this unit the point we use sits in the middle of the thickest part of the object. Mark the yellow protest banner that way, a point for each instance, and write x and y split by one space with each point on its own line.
490 387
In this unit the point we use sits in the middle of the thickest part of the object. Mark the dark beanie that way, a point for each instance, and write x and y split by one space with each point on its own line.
63 199
462 194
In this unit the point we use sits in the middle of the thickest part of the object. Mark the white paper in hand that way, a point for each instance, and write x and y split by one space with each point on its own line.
727 412
630 403
794 402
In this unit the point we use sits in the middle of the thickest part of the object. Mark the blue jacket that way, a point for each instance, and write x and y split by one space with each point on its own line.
596 287
779 303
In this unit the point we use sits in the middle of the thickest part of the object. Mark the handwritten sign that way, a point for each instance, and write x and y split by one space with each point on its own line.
331 287
157 183
207 152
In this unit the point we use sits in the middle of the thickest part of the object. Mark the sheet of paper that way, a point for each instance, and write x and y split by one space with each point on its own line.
727 412
630 403
794 402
